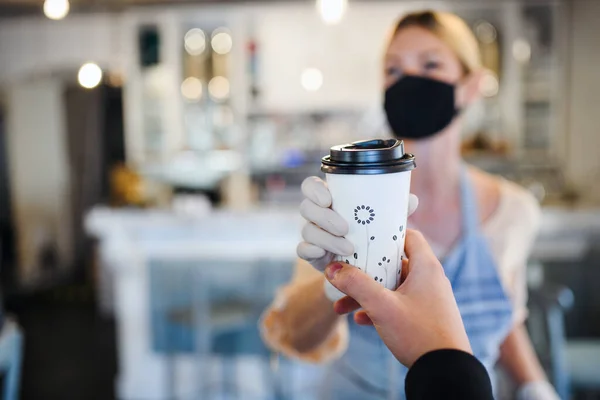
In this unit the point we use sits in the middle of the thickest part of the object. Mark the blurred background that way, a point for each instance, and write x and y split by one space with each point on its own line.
151 154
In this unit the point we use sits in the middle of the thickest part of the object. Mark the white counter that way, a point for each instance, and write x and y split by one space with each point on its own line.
128 239
566 234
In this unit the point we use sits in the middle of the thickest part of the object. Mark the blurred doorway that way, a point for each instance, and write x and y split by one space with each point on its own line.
95 144
6 226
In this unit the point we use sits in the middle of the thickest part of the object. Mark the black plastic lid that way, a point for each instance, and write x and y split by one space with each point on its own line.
368 157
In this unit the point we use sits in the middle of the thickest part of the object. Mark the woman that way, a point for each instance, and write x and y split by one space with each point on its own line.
481 227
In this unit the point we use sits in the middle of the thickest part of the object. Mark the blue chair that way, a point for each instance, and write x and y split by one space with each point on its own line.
572 364
209 308
583 360
547 306
11 353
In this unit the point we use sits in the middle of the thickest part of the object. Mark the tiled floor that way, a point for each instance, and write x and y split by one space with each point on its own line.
69 349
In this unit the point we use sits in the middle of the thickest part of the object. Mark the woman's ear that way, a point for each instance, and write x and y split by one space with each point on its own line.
469 88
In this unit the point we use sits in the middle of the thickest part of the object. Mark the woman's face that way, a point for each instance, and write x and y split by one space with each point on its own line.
416 51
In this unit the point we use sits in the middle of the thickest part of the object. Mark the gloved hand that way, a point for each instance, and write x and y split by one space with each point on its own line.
540 390
325 229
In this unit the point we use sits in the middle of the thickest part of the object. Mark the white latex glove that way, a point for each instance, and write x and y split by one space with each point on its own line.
325 229
540 390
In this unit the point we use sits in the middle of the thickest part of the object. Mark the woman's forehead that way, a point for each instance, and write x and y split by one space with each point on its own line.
417 40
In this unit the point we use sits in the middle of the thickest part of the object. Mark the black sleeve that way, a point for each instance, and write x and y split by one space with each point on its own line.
448 374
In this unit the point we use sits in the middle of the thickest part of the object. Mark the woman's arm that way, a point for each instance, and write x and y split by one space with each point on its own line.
308 317
520 360
518 357
301 321
512 237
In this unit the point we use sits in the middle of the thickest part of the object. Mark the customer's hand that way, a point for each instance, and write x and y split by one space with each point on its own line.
323 234
418 317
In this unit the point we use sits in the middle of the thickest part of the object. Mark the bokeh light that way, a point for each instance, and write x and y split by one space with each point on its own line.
311 79
489 86
191 89
332 11
221 41
56 9
218 88
485 32
90 75
521 50
195 42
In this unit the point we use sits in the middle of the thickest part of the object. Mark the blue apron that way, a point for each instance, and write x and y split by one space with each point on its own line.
368 370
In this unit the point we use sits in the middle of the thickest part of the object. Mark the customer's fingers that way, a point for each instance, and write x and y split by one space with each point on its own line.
315 189
325 218
345 305
316 236
405 270
360 286
417 249
362 318
421 260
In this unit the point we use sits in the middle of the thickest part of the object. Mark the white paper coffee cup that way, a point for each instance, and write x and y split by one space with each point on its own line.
369 183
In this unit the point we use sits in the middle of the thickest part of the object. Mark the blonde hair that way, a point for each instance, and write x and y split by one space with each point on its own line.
452 30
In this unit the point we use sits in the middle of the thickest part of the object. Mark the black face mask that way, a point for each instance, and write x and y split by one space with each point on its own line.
418 108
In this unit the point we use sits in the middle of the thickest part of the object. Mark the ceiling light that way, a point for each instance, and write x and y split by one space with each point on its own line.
521 50
56 9
332 11
218 88
485 32
90 75
221 42
489 86
311 79
195 42
191 89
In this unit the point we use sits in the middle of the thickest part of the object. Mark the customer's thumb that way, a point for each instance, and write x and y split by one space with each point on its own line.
358 285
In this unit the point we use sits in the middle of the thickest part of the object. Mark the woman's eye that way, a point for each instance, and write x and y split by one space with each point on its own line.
393 72
431 65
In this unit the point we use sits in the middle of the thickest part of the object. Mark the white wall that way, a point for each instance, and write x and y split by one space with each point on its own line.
583 141
349 54
35 53
40 185
38 46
